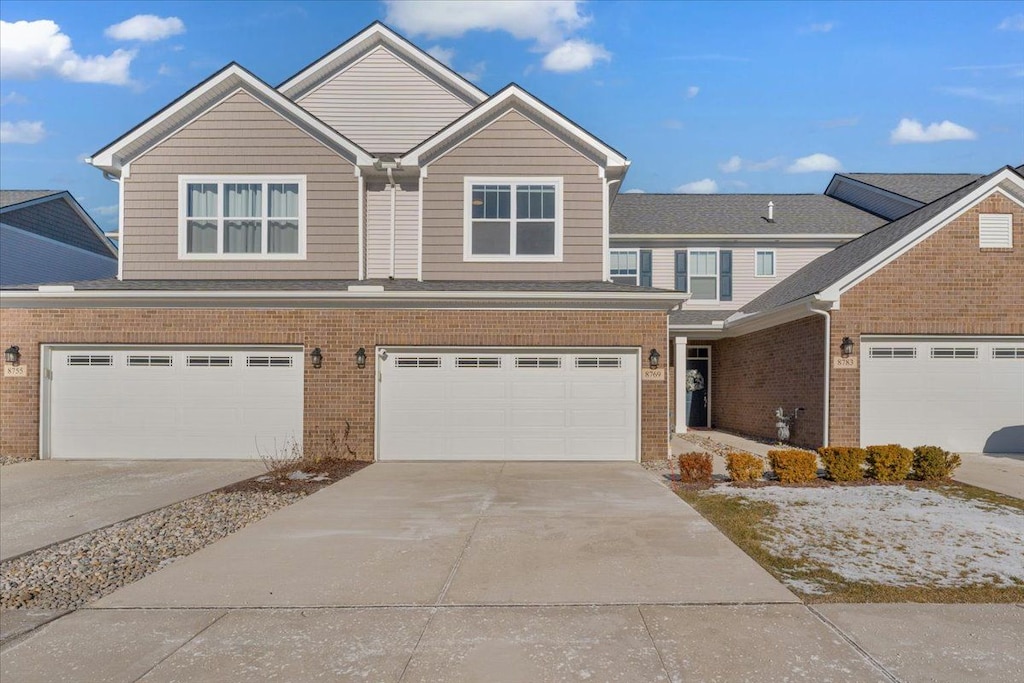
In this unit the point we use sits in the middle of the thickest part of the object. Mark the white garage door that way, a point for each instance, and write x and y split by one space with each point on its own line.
962 393
171 402
500 404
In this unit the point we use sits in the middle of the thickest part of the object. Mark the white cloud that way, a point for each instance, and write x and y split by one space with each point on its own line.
475 72
445 55
911 130
705 186
635 190
165 70
109 210
983 95
1012 23
823 27
672 124
735 164
146 27
692 91
814 163
31 49
575 55
22 132
547 23
13 98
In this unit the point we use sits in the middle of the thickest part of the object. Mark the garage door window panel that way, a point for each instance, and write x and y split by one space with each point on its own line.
513 220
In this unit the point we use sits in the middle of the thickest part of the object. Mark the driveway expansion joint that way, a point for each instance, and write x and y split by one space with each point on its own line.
853 643
186 642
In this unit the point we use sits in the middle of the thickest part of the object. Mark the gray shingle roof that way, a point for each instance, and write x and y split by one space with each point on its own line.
836 264
697 317
922 187
113 284
739 214
11 197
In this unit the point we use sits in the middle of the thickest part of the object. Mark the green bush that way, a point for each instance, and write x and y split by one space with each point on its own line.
843 463
891 462
744 466
932 463
695 468
794 466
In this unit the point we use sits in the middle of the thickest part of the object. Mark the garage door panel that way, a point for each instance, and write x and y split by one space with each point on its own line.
956 403
134 409
525 405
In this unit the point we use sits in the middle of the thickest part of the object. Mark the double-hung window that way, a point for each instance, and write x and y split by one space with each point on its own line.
625 266
764 263
703 274
242 217
517 219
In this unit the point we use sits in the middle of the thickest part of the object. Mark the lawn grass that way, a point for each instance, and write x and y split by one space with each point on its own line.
748 524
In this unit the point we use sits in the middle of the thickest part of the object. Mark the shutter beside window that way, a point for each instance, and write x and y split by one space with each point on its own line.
725 280
645 268
681 270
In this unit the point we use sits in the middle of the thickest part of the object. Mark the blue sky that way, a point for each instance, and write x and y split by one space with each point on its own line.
727 97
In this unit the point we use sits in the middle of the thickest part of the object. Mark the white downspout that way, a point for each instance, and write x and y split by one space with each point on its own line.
828 364
391 182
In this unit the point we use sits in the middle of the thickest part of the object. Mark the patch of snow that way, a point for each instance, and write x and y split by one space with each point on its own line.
299 475
265 477
893 535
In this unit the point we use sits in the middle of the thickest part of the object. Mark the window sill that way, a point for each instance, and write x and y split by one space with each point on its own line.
512 259
241 257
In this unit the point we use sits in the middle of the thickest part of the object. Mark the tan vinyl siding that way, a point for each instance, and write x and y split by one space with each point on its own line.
239 136
407 231
512 146
745 286
383 104
378 231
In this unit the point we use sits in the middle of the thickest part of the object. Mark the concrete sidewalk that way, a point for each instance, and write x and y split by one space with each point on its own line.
47 501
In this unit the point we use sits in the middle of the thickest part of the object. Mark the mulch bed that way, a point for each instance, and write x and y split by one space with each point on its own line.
324 473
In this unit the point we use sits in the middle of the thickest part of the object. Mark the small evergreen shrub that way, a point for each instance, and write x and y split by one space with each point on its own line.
794 466
843 463
695 468
891 462
744 466
932 463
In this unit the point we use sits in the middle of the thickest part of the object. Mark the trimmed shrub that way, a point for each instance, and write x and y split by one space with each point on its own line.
843 463
744 466
891 462
932 463
794 466
695 468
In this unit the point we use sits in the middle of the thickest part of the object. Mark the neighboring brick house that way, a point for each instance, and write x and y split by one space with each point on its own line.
377 248
46 236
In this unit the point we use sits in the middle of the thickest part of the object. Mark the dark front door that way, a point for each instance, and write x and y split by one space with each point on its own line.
697 392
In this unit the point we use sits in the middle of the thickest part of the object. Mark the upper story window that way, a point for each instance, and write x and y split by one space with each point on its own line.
242 217
703 272
764 263
624 266
513 219
995 231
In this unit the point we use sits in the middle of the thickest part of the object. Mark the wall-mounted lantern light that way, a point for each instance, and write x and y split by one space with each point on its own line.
846 347
361 358
654 358
317 356
12 355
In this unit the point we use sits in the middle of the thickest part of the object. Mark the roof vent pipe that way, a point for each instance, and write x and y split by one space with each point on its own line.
771 212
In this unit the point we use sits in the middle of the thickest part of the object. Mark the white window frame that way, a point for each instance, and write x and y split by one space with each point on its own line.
718 274
624 251
185 180
1006 218
467 216
775 265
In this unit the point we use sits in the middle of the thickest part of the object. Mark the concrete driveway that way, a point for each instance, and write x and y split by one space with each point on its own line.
1002 473
46 501
468 572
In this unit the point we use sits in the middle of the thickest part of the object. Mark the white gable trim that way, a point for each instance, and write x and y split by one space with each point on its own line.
923 232
208 94
613 158
398 46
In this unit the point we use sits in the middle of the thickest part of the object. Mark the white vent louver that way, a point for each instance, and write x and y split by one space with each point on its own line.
995 231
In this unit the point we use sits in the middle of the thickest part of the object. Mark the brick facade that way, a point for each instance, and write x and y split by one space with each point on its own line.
756 373
944 285
338 391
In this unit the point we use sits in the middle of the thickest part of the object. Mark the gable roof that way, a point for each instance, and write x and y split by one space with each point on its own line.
838 265
511 97
369 38
739 214
204 96
54 215
921 187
